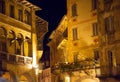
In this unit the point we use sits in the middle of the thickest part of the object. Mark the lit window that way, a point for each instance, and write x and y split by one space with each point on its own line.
75 37
94 4
109 25
2 6
74 10
95 29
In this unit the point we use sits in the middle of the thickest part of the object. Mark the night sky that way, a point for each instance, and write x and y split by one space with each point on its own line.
52 11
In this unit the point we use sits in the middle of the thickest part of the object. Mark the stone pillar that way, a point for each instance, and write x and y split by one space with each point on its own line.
33 36
34 42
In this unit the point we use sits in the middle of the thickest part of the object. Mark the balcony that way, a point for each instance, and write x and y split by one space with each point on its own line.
15 59
78 66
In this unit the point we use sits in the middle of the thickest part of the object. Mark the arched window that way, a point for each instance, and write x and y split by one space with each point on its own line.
11 42
27 47
19 41
11 37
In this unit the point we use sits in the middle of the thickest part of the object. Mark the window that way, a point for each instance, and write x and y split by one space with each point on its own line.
94 4
110 57
74 10
75 37
95 29
27 17
109 25
96 55
75 57
2 6
12 11
19 14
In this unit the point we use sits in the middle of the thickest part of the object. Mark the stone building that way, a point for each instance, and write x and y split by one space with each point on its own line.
21 35
83 45
82 30
109 37
58 49
72 57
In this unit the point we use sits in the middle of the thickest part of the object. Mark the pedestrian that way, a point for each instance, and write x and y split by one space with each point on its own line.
2 79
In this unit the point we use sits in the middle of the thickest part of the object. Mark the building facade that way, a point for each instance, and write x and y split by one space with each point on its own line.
21 35
108 17
83 50
72 58
82 29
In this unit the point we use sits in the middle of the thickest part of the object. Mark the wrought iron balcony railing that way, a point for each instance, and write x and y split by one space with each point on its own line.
100 71
15 59
82 65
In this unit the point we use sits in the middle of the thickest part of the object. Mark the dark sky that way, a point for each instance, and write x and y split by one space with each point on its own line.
52 11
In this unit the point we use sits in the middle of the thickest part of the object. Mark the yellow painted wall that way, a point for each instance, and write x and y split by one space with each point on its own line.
83 22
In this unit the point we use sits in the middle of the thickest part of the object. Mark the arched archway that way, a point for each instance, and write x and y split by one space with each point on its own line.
19 44
27 47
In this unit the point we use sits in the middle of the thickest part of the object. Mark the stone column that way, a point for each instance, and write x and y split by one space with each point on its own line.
34 41
33 36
